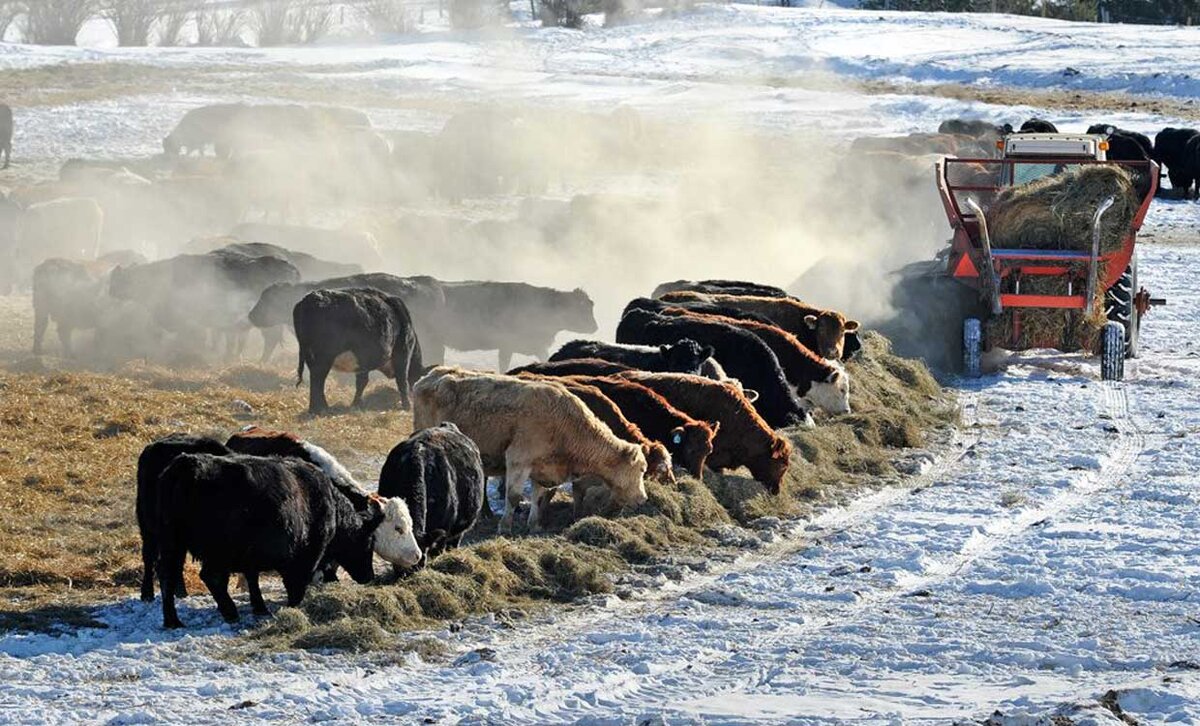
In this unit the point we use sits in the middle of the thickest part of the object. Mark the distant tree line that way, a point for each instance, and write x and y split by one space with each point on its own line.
1150 12
227 22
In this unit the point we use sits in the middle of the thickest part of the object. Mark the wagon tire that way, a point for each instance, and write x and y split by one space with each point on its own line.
1119 307
972 347
1112 352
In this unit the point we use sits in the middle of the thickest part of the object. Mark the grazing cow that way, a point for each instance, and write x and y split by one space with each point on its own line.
327 244
250 514
687 440
310 267
439 473
530 430
1038 126
658 459
357 330
720 287
1170 149
69 227
71 293
512 317
196 292
6 133
824 331
1119 142
573 367
422 295
822 383
742 437
200 128
153 460
685 356
394 542
745 357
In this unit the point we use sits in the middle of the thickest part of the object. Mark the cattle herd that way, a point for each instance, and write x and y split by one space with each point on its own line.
703 374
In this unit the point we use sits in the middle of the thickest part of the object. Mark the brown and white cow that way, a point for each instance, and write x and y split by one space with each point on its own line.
530 430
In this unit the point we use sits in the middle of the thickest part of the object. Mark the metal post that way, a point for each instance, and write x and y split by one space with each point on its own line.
1094 264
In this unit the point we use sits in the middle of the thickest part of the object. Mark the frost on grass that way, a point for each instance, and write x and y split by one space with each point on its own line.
896 402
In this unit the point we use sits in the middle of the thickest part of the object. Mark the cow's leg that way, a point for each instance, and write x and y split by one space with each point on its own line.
579 492
170 574
257 605
360 385
505 359
218 586
403 384
514 486
272 338
64 338
149 555
316 387
41 320
295 582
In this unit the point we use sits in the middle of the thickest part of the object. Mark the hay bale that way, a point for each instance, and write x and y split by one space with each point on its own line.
1055 212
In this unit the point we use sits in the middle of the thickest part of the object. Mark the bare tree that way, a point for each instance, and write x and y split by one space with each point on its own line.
286 22
131 19
387 16
9 10
218 26
169 28
56 22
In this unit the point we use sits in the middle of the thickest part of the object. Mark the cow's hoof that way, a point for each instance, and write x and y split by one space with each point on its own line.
147 598
262 612
175 624
231 618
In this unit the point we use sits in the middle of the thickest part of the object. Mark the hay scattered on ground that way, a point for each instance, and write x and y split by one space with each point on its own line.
1056 211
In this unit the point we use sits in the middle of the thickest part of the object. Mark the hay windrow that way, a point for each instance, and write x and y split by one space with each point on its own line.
1056 211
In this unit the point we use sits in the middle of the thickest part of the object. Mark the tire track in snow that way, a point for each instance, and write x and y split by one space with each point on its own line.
704 676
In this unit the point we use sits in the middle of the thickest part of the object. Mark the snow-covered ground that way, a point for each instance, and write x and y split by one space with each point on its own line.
1051 555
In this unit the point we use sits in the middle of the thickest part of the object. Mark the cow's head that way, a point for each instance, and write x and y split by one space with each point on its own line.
831 330
691 444
831 395
353 547
686 356
171 145
578 314
394 538
627 482
771 469
274 306
658 462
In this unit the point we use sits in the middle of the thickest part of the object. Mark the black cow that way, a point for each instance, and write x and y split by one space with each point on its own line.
6 133
69 292
1122 141
357 330
720 287
573 367
310 268
974 128
1038 126
512 317
439 473
249 514
153 460
1171 150
422 295
684 356
742 354
212 291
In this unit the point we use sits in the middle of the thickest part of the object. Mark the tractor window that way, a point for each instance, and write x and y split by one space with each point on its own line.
1025 173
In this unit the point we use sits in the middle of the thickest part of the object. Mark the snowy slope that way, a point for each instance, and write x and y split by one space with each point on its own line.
740 41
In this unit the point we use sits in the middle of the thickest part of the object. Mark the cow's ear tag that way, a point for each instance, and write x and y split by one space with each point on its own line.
677 439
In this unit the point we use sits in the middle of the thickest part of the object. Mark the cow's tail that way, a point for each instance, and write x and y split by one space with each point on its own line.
300 362
416 368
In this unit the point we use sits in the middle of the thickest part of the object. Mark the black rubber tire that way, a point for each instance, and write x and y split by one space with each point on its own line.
972 347
1119 307
1112 352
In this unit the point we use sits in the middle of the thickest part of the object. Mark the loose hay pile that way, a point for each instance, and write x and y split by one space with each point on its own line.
1056 211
